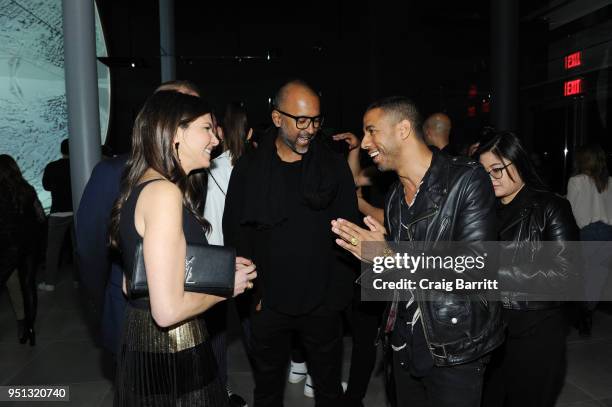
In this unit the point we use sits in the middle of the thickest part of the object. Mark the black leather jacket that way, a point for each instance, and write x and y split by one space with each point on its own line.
533 276
459 205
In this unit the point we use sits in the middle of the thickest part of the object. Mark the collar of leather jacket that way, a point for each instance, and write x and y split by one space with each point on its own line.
530 200
431 192
435 181
443 171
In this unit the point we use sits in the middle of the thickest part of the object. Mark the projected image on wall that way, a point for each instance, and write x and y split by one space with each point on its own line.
34 119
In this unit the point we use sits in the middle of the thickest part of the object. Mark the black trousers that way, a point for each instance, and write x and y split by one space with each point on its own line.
216 320
453 386
27 279
364 320
529 370
320 332
216 323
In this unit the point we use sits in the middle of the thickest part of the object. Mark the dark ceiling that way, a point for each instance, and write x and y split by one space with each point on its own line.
352 52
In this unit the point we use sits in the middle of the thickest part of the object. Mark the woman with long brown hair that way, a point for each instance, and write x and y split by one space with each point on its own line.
22 226
590 194
165 357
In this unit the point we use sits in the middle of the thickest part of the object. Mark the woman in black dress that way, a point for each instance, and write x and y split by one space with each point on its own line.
537 229
22 222
165 357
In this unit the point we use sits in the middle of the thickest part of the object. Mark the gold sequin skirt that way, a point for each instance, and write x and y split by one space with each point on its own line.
166 366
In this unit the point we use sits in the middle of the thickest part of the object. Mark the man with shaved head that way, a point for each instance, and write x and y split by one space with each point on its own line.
436 130
280 200
181 86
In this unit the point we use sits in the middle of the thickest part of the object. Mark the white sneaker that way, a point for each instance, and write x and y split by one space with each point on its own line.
297 372
46 287
308 387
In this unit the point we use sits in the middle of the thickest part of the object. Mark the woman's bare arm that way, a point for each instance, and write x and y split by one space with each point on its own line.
158 218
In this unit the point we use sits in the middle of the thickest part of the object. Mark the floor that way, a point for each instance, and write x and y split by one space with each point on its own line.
65 354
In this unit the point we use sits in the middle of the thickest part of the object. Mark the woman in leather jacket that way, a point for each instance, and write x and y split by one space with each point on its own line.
528 370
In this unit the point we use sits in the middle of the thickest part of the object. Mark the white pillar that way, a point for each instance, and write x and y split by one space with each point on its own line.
81 92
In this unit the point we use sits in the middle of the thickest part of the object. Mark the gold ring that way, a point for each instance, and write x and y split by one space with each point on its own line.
354 241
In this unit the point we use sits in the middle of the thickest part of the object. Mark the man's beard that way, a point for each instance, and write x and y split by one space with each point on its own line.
292 144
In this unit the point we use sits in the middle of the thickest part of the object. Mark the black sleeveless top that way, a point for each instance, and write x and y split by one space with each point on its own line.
129 237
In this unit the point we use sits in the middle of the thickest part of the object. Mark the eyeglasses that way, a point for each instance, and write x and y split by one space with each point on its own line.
302 122
497 173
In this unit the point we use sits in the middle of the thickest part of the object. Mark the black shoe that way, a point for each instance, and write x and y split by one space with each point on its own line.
28 336
237 401
32 336
21 331
584 325
347 401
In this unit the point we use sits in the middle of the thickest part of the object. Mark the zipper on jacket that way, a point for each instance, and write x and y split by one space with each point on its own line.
524 215
418 302
443 226
423 323
427 215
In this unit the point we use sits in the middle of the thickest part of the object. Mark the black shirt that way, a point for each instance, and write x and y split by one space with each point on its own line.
298 252
56 179
419 357
508 213
449 150
299 265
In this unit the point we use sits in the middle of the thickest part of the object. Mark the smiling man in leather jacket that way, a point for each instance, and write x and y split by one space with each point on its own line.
439 354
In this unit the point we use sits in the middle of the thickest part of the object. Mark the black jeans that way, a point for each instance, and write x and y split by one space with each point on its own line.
320 332
364 320
453 386
528 370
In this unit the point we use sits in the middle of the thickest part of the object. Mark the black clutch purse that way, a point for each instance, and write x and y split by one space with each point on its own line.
208 269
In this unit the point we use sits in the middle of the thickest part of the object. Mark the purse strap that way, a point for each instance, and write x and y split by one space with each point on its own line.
214 179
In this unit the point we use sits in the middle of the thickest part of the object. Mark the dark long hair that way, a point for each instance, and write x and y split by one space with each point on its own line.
154 129
507 145
14 186
235 129
591 161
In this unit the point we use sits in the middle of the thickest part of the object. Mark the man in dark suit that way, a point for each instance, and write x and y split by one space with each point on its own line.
94 260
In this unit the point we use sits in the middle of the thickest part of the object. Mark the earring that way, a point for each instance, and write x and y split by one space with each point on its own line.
176 146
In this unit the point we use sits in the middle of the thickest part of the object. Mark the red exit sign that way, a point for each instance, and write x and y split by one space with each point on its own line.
573 60
571 88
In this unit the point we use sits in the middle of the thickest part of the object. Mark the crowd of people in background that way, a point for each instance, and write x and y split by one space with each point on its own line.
297 213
